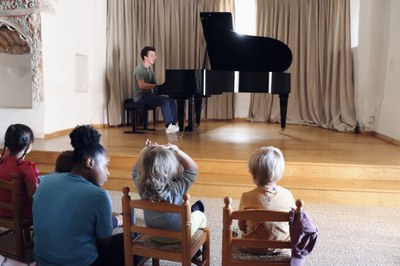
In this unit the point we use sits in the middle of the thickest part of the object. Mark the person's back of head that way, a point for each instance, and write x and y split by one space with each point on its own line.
64 162
90 159
266 165
86 143
17 138
157 167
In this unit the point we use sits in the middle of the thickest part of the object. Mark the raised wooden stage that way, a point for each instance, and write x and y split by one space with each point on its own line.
321 165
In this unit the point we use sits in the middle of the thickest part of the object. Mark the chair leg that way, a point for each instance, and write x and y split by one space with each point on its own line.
134 113
20 245
126 117
28 234
156 262
154 117
144 119
206 248
133 121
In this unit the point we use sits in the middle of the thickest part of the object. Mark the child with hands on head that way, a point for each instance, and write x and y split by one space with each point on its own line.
165 173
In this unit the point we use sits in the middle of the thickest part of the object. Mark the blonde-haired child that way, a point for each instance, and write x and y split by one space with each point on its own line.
266 166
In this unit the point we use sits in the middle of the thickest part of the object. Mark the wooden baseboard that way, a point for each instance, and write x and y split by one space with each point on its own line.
64 132
387 138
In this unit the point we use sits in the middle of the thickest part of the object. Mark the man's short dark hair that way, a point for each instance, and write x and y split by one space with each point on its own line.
146 50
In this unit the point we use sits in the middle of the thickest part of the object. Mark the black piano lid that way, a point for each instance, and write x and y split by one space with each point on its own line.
228 50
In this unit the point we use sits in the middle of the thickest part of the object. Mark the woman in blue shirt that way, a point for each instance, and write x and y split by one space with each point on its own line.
72 214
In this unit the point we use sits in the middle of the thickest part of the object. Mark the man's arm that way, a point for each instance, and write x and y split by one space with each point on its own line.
145 86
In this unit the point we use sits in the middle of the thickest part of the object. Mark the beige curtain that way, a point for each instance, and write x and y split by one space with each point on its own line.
121 57
173 27
318 33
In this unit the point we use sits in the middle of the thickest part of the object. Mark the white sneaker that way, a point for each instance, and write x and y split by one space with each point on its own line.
172 129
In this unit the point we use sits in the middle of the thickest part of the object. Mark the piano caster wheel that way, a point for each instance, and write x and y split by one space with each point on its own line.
282 131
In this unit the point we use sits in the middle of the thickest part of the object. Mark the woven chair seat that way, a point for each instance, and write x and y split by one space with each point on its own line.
240 254
147 241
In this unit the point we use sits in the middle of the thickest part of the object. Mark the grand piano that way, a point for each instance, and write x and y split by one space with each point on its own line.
239 63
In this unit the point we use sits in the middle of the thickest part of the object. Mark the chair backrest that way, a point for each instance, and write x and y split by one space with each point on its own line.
230 243
14 206
183 236
16 223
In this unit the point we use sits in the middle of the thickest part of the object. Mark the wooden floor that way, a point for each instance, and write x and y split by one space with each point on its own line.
321 165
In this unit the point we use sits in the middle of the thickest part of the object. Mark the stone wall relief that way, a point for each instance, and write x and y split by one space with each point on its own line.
24 16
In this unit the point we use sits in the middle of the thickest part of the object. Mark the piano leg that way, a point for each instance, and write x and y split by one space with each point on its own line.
283 102
181 113
198 102
180 104
190 115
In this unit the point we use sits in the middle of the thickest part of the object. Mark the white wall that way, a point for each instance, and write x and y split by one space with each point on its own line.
370 61
377 67
389 117
63 37
76 27
34 118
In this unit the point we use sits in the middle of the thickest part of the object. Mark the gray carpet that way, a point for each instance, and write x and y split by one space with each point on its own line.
348 235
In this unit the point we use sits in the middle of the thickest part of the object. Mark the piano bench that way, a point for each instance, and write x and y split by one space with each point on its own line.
138 113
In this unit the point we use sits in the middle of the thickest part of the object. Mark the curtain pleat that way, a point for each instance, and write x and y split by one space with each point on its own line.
318 33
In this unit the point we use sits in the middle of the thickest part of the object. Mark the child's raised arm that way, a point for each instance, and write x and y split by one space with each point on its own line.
186 161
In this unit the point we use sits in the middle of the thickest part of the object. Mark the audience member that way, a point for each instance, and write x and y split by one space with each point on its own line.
165 173
64 163
72 213
17 144
266 166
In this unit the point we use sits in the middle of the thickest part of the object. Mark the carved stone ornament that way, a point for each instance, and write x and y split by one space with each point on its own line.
24 16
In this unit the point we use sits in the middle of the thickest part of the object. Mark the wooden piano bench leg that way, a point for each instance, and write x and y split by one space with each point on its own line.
133 116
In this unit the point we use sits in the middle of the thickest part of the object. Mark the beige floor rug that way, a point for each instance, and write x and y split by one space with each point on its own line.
348 235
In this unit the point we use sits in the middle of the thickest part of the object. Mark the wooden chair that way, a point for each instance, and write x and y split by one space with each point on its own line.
133 111
233 254
17 229
144 246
